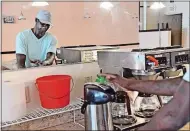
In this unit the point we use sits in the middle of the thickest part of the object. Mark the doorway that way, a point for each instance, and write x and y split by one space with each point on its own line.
175 24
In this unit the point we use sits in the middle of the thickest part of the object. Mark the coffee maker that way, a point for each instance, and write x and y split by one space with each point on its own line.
140 64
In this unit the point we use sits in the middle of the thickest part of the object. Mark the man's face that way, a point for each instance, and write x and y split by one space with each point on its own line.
41 27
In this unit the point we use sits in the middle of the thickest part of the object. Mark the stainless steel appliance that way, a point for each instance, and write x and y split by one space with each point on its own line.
80 54
97 106
178 56
138 62
142 63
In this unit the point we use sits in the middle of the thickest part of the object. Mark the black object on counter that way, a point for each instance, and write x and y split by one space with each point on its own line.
122 97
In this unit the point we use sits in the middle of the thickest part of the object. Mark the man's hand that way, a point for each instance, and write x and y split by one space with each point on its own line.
36 62
46 63
117 80
20 60
49 59
110 76
4 68
39 63
157 87
120 83
114 78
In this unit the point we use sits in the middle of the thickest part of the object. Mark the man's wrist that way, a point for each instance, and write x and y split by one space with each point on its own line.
45 62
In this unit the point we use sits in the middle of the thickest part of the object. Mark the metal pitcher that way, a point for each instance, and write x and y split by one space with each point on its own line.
97 106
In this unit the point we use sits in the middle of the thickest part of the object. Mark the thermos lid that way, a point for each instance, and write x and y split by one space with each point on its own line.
101 79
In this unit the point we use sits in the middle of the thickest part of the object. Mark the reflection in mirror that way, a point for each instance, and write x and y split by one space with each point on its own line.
114 24
169 19
150 13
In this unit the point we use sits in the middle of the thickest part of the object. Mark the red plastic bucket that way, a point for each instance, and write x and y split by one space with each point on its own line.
54 91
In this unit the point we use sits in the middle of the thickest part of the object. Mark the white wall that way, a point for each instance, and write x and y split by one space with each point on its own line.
151 39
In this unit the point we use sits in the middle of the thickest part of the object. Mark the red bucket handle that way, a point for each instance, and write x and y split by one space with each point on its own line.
57 97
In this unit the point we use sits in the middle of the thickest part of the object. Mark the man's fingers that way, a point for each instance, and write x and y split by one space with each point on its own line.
109 76
45 63
35 61
38 62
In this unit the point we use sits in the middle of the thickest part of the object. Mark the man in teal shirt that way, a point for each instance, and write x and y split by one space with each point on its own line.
36 46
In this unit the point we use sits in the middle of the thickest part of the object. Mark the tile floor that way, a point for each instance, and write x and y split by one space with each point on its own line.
72 126
68 126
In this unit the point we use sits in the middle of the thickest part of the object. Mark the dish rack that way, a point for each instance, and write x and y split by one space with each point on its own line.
41 113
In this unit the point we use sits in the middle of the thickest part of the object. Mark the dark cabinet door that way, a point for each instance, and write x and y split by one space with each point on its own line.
175 24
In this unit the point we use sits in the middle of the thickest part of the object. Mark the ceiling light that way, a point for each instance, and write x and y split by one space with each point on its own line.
157 5
40 4
106 5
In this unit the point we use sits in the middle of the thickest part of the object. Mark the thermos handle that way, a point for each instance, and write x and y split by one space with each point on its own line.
128 104
83 108
160 101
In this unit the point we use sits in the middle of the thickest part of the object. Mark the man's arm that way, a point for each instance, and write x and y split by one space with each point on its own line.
20 60
49 59
159 87
51 52
21 50
173 115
